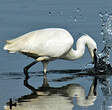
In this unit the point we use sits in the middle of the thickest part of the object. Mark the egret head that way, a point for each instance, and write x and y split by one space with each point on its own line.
92 49
93 55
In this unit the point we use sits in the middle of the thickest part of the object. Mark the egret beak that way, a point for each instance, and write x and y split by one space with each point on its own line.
95 58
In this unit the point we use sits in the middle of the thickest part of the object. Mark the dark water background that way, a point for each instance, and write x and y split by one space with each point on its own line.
78 17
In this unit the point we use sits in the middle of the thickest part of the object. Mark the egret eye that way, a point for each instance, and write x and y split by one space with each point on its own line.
95 50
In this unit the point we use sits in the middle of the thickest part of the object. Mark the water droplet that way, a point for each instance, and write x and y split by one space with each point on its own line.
102 33
74 19
100 14
78 10
110 107
50 13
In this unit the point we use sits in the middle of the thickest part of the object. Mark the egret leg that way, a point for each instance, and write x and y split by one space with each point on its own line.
45 64
27 67
45 82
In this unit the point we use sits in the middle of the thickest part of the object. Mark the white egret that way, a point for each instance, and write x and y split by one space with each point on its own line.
49 44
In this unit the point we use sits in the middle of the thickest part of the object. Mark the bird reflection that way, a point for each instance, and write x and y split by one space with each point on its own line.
54 98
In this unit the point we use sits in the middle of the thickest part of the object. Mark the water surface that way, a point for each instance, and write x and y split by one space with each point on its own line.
78 17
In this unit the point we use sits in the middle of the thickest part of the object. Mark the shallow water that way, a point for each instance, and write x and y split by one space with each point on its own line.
65 89
78 17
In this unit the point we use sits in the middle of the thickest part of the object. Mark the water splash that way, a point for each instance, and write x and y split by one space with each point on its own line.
103 63
106 33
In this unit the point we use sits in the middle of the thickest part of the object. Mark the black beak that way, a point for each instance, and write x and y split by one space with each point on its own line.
95 58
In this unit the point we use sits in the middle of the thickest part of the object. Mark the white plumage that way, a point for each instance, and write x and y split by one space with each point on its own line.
46 42
49 44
